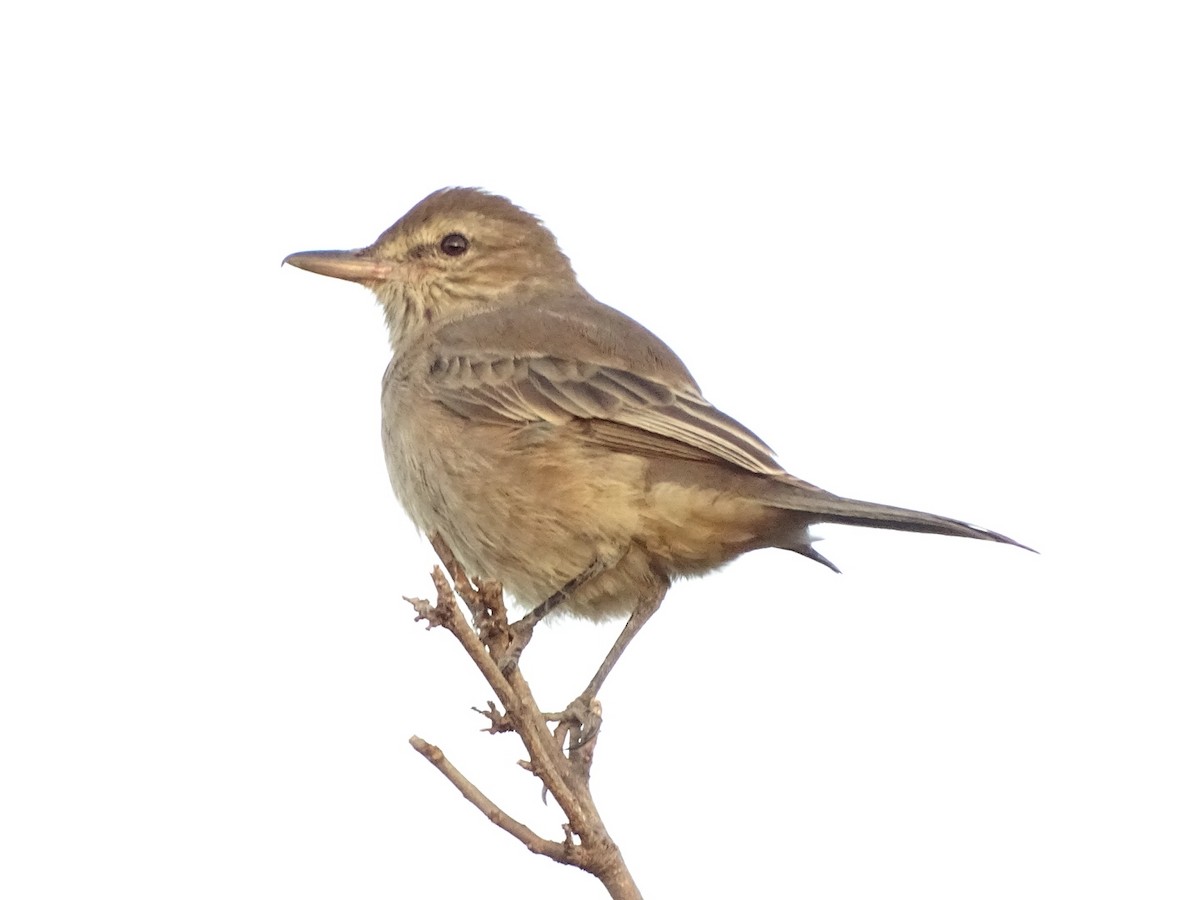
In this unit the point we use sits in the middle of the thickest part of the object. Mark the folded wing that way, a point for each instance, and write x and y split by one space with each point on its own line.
623 410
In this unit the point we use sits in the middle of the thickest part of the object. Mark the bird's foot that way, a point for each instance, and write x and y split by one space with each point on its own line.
579 723
520 633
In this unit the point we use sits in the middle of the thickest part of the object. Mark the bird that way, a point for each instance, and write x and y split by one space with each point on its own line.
553 442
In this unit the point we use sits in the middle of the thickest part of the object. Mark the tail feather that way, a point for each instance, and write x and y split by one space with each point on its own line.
824 507
805 548
877 515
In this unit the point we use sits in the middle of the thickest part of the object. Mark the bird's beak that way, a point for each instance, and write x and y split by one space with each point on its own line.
350 265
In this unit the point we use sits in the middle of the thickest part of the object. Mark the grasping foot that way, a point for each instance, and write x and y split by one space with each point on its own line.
582 720
520 632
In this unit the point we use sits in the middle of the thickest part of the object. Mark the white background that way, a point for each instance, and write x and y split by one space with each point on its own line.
941 255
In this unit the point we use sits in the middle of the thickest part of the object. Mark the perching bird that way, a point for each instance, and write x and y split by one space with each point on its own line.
553 441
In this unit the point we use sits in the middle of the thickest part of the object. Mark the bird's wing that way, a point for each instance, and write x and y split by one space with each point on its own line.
619 409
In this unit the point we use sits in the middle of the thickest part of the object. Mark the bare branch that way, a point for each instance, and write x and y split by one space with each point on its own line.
488 640
522 832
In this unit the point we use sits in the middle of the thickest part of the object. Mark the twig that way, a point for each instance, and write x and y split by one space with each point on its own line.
566 776
521 832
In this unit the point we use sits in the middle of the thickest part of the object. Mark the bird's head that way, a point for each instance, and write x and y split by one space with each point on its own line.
456 251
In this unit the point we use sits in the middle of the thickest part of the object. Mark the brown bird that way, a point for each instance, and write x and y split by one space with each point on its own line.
554 442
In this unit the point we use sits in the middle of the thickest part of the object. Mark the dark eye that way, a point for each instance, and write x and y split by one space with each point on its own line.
455 245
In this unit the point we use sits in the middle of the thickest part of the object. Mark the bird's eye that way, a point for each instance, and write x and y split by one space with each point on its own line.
455 245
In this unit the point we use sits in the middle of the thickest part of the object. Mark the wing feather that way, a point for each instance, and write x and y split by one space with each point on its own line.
626 411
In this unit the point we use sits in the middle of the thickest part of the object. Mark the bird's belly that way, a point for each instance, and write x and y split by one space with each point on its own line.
534 506
527 505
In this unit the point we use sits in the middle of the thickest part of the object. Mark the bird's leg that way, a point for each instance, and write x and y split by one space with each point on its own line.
640 616
522 629
582 715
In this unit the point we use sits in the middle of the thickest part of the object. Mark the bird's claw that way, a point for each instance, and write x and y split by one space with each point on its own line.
581 720
519 635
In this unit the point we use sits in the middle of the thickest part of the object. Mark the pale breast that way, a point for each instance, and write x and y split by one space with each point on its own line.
528 504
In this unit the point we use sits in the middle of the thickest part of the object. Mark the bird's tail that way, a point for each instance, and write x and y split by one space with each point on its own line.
819 506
